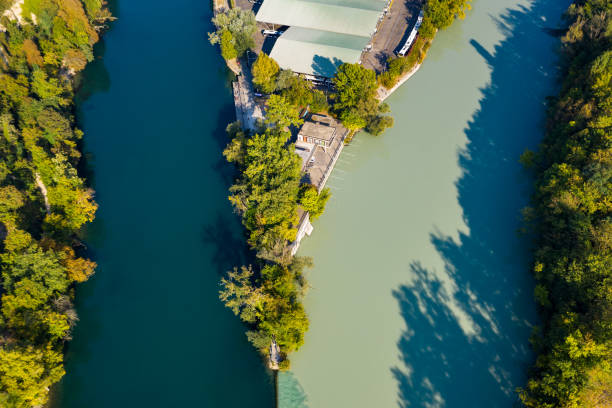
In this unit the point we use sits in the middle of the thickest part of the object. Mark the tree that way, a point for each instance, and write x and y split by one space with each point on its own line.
239 293
298 92
319 101
265 71
26 373
352 119
355 99
355 85
265 194
228 50
443 12
281 114
240 24
284 79
572 205
312 201
11 199
39 152
379 124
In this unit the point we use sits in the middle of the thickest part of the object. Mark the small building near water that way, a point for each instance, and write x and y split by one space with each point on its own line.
317 131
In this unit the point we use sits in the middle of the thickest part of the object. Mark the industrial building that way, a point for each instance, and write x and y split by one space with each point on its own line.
321 34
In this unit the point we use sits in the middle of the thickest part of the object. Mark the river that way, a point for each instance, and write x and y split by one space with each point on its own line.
152 332
421 293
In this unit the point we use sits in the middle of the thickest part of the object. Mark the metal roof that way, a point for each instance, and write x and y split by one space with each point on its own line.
316 52
353 17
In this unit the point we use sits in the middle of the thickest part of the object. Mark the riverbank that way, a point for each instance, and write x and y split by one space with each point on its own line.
383 93
44 200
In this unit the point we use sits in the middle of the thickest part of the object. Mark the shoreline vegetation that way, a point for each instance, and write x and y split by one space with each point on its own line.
268 193
43 200
572 215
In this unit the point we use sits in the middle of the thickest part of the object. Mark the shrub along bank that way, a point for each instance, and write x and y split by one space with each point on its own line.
43 201
573 209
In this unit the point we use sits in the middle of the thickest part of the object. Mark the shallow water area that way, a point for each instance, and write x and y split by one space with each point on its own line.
421 292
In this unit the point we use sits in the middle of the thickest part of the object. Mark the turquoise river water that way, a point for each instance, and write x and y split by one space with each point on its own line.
421 295
152 332
421 292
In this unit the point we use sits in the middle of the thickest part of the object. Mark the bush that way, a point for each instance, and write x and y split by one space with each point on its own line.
379 124
228 50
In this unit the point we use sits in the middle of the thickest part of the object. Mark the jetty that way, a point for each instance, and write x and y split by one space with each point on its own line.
275 355
248 111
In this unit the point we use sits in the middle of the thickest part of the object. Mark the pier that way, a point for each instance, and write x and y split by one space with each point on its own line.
248 111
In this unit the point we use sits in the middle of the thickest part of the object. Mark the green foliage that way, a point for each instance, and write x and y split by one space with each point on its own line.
240 24
318 102
442 13
284 79
5 5
271 303
398 66
298 92
281 114
266 192
228 50
356 86
265 70
573 205
379 124
312 201
43 201
355 99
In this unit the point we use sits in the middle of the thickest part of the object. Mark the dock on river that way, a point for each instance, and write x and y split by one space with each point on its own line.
248 111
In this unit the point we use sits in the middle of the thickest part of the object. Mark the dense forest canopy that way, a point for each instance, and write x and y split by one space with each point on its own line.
572 209
43 201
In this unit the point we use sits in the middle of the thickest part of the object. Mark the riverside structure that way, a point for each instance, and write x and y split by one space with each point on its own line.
321 36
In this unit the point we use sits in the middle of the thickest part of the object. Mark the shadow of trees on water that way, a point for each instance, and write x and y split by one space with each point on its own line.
467 326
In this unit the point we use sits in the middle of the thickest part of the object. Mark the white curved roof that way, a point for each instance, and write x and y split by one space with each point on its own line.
316 52
351 17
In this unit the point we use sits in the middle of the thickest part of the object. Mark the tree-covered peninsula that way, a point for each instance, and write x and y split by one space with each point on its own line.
43 200
268 193
572 211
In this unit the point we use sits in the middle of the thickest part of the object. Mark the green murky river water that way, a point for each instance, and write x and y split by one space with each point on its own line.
152 332
421 293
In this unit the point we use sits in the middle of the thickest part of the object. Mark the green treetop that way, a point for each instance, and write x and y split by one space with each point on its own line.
241 26
265 70
281 114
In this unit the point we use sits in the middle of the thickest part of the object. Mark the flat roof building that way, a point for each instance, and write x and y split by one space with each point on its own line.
317 133
323 34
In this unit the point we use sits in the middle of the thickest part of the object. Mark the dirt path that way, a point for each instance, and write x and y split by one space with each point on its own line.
43 190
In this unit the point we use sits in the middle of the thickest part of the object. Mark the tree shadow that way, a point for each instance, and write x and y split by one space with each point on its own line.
290 391
325 66
467 326
228 245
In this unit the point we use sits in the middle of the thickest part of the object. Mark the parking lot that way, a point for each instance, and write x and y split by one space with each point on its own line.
392 32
